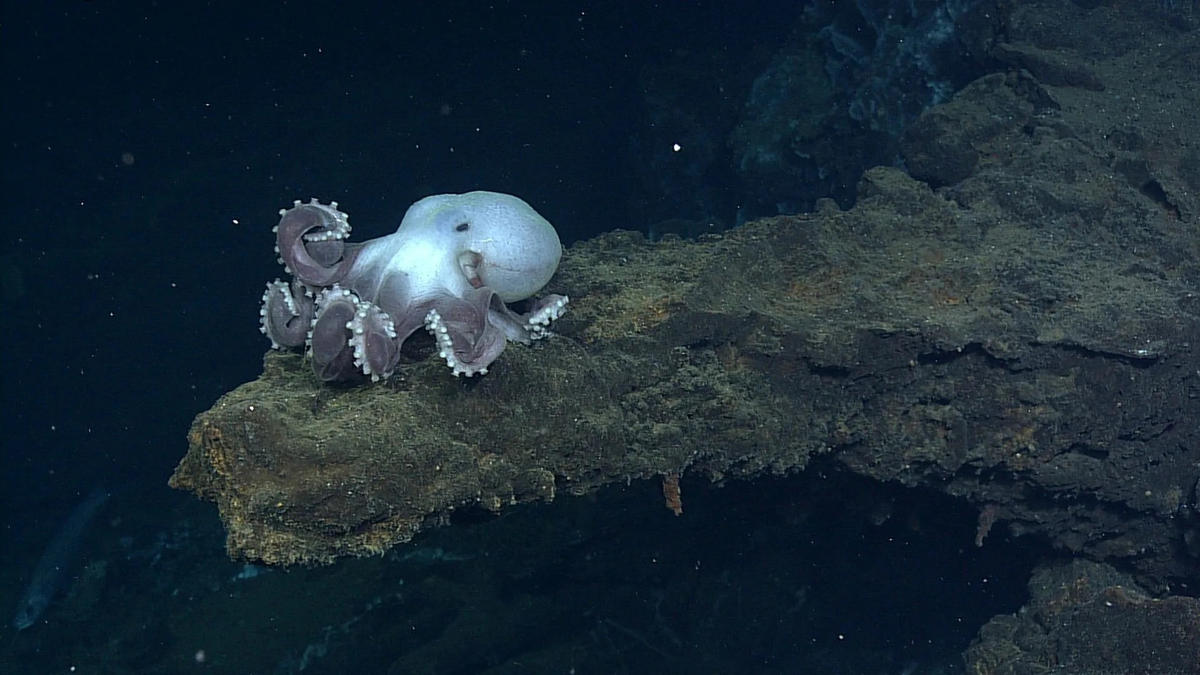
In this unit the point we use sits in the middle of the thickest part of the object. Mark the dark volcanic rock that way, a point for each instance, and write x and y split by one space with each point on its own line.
1042 372
1088 618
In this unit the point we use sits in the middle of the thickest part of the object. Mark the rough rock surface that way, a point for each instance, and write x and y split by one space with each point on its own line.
1040 368
1069 624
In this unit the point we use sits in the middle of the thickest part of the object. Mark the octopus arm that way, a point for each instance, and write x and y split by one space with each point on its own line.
310 239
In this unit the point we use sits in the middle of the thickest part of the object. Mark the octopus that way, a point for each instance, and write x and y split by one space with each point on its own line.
452 267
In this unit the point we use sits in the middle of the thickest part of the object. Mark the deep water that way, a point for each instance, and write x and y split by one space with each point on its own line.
148 149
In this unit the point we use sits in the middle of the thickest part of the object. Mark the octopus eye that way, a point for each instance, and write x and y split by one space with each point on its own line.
462 227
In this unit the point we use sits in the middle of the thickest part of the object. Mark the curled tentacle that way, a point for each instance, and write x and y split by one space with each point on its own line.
525 328
374 341
332 355
310 239
467 339
286 314
545 311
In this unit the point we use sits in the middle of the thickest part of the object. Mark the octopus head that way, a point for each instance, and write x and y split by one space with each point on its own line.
497 240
